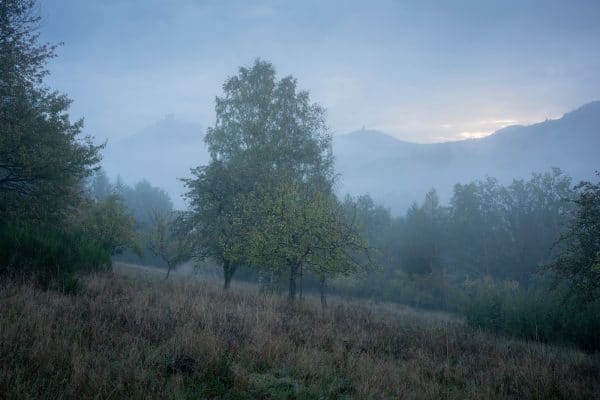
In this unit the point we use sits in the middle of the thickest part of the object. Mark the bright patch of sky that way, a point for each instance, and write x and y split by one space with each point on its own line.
422 71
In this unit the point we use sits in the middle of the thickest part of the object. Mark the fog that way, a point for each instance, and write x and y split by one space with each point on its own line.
299 200
395 173
419 71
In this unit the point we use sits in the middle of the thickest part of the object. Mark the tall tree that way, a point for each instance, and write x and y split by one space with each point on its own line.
537 211
43 158
264 128
99 187
270 124
479 233
578 263
423 234
211 222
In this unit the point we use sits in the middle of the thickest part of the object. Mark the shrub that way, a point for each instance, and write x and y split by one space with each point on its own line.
536 313
433 291
52 255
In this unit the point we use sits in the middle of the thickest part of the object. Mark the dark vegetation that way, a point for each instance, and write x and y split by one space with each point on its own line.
131 334
520 260
50 229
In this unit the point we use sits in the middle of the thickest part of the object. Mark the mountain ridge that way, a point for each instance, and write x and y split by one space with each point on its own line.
400 173
394 172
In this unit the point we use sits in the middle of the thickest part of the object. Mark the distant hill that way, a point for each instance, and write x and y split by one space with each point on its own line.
397 173
160 153
394 172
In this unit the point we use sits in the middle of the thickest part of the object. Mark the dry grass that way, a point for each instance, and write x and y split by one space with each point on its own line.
129 334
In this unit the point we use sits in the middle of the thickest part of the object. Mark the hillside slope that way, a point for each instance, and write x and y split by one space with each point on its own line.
130 334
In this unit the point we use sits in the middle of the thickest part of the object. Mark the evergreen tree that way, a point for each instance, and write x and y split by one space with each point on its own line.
43 157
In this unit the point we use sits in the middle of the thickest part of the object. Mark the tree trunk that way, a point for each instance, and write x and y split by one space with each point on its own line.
168 271
323 296
301 283
228 270
292 290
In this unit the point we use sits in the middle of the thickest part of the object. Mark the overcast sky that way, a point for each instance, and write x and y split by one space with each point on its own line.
423 71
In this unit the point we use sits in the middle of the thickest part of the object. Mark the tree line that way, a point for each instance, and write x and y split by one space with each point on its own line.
505 232
267 201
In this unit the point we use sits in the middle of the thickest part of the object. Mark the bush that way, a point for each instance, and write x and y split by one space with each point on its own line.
537 313
55 253
53 256
433 291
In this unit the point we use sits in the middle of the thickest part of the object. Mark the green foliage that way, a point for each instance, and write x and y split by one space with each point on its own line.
43 158
140 204
578 264
286 225
538 313
376 225
99 186
168 240
506 231
265 124
110 224
211 197
421 239
487 230
433 291
53 256
266 199
210 223
47 229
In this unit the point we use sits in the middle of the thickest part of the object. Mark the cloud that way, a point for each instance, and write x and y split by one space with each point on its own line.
260 11
473 134
382 65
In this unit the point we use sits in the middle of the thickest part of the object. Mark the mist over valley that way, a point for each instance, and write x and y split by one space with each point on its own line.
395 173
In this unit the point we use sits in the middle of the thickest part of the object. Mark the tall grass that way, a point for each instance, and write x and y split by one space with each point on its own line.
134 335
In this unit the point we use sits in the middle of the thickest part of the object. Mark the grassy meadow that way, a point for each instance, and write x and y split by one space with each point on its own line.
131 334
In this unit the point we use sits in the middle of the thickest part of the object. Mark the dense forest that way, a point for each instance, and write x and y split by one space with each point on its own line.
519 260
